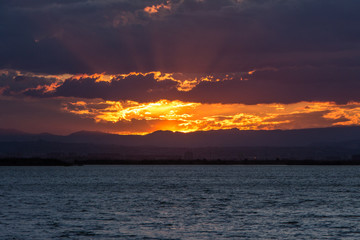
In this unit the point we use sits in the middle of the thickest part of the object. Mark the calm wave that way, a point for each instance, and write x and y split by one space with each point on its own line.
180 202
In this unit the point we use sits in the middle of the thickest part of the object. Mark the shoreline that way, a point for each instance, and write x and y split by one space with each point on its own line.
82 162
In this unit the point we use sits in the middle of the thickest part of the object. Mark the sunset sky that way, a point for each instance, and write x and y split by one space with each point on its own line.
137 66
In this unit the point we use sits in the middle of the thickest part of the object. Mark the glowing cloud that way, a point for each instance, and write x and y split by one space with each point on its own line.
189 117
155 8
99 77
351 112
46 88
184 81
113 111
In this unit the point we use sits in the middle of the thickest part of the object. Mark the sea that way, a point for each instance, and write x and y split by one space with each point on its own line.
180 202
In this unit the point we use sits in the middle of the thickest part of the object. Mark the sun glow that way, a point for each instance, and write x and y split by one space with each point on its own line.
189 117
132 117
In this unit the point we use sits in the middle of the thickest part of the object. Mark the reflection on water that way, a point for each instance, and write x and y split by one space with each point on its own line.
180 202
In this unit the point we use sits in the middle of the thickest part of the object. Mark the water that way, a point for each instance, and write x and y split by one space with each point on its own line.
180 202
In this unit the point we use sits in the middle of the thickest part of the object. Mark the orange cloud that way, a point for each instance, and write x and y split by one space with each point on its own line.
351 112
100 77
46 88
185 82
155 8
113 111
189 117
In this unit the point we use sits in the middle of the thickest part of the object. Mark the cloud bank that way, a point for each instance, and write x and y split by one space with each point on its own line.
83 36
81 60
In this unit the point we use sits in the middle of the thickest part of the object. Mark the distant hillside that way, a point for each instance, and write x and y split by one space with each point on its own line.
220 138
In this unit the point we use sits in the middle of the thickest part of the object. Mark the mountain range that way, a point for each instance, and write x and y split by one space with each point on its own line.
334 136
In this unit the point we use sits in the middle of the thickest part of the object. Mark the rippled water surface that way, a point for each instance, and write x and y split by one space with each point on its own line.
180 202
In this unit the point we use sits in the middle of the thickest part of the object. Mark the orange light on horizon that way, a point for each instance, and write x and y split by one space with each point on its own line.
185 117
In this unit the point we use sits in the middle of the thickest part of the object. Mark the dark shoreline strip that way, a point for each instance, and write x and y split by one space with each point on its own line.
57 162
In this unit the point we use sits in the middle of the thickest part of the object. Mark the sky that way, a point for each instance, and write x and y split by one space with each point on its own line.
138 66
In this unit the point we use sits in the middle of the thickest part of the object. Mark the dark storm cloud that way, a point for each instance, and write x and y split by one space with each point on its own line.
286 85
83 36
136 88
313 44
15 82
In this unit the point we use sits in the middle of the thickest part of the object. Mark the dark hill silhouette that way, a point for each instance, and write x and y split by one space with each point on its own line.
218 138
88 133
273 138
15 135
